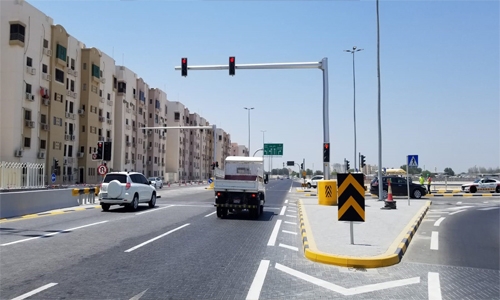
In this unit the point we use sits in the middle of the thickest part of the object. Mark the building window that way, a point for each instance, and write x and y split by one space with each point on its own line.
45 44
43 119
27 115
27 142
122 87
72 64
28 88
177 116
85 66
44 68
29 61
59 76
83 129
109 96
84 87
43 144
72 86
61 52
17 32
95 71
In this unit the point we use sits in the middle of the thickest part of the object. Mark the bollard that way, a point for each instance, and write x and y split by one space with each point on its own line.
327 192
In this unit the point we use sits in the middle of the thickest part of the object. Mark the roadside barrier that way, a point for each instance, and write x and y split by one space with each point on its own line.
86 195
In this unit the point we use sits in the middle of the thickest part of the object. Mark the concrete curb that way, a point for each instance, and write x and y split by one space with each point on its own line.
391 257
461 195
49 213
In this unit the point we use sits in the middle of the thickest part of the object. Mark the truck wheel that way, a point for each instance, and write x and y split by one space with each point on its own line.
221 212
262 209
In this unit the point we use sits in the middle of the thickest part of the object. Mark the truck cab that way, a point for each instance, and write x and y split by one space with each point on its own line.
242 187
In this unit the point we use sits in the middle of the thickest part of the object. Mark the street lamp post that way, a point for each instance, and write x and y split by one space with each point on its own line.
354 50
249 109
263 143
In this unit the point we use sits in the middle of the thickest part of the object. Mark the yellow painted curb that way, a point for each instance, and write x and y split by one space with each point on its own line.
391 257
45 214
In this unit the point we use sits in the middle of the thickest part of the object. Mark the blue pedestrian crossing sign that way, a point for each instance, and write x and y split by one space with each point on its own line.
210 180
413 161
53 177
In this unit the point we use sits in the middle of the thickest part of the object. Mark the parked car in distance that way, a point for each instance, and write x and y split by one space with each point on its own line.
157 182
399 187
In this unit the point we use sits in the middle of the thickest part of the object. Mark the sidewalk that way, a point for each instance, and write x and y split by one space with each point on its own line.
378 242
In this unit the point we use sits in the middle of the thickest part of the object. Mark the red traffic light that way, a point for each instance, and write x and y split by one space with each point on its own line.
183 60
99 144
231 59
326 145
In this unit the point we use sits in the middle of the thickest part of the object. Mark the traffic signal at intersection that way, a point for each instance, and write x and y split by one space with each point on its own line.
232 65
100 146
326 152
184 66
362 162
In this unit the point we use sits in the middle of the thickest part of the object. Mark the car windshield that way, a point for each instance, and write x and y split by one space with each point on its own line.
477 180
120 177
152 178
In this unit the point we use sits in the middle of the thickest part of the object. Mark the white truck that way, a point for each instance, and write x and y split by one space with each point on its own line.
243 186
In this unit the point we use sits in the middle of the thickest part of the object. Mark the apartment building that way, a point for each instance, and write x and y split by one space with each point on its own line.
206 151
175 141
195 147
157 138
139 136
238 150
25 90
125 104
107 94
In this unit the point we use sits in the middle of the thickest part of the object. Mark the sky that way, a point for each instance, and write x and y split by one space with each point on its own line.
439 66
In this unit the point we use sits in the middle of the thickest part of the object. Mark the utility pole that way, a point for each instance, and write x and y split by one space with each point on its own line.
249 109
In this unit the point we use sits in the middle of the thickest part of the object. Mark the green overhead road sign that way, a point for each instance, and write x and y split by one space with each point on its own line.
273 149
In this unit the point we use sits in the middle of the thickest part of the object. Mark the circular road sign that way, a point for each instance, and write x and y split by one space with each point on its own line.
102 170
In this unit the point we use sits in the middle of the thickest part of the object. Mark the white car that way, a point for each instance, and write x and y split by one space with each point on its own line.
126 189
486 185
157 182
313 182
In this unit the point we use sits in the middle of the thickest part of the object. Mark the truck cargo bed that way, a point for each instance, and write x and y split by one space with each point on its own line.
235 185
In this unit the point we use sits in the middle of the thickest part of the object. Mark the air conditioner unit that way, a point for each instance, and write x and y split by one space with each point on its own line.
102 100
110 121
65 178
18 153
75 73
29 123
46 102
46 77
128 144
67 137
73 137
41 155
109 140
103 80
80 154
71 72
65 162
47 52
73 94
81 111
101 139
30 97
45 127
68 93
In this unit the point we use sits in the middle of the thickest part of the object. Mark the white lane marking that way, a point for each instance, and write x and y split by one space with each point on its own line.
274 234
347 291
291 223
434 286
290 232
210 214
485 202
286 201
152 210
291 210
438 222
258 281
459 202
53 233
138 296
283 211
291 216
458 211
435 240
459 207
154 239
489 208
289 247
36 291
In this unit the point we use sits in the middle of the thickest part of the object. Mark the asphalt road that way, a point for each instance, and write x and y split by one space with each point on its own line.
178 250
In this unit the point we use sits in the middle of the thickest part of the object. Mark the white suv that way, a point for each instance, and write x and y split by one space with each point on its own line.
126 189
313 182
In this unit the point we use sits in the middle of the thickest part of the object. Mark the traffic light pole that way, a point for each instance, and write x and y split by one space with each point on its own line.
322 65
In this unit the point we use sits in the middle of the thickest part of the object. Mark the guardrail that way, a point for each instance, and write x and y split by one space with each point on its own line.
21 175
86 195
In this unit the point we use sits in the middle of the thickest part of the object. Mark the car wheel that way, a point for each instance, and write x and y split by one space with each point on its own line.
384 194
417 194
135 202
472 189
308 185
152 201
497 190
105 207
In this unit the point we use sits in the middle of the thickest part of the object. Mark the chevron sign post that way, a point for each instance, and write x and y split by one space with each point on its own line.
351 199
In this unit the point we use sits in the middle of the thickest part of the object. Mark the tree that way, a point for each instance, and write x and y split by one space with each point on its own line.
449 171
318 172
309 172
413 170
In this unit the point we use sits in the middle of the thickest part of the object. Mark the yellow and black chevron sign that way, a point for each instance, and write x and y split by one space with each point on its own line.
351 199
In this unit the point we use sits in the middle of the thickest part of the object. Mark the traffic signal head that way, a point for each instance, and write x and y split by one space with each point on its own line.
326 152
302 166
184 66
363 164
100 146
232 65
216 164
56 163
107 151
347 166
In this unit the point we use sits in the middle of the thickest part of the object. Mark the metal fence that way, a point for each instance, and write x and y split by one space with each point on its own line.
18 175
